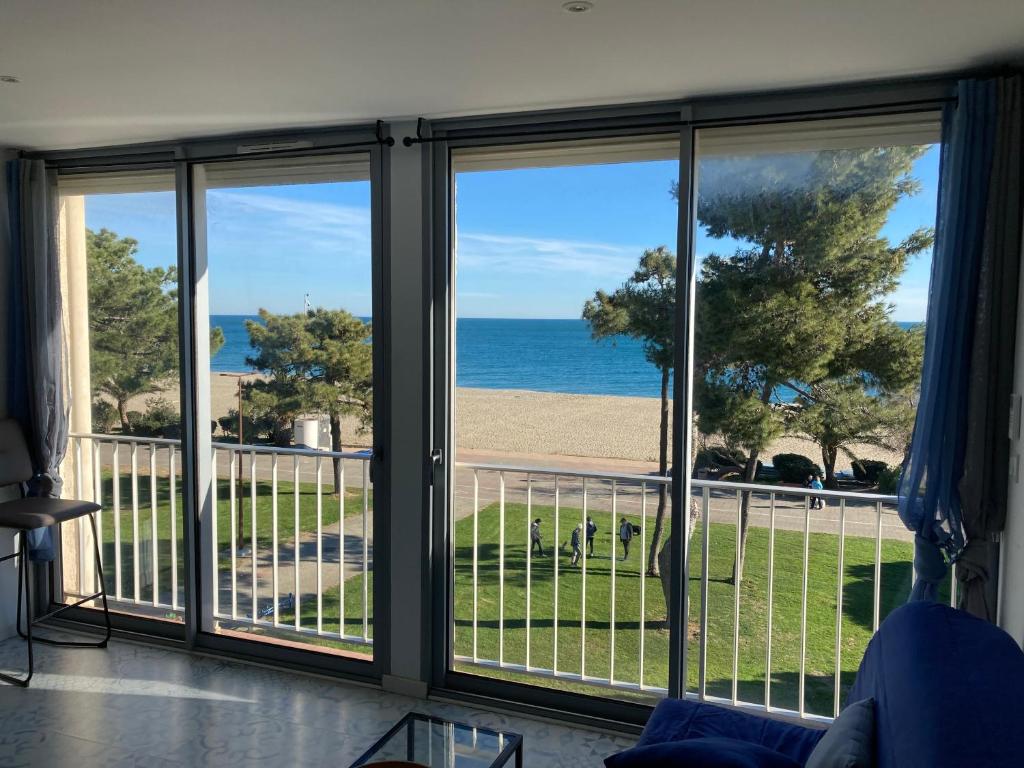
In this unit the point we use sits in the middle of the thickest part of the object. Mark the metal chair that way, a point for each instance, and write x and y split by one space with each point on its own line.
28 513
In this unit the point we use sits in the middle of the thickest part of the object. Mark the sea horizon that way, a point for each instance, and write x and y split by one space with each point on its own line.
555 355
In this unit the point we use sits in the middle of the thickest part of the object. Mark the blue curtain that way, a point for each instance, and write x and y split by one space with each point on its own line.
962 310
37 395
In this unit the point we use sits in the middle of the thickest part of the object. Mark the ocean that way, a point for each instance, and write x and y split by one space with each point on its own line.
538 355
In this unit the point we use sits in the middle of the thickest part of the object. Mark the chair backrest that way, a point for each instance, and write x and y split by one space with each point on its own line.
15 462
947 690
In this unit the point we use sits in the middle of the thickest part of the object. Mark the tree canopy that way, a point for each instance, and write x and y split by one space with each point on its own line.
644 308
799 305
133 321
320 361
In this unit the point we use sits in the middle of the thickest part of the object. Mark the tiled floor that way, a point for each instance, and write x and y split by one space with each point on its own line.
135 705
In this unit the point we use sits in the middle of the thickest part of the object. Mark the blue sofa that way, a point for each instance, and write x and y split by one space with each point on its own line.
948 691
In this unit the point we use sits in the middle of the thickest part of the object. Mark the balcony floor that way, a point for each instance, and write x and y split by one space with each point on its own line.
137 705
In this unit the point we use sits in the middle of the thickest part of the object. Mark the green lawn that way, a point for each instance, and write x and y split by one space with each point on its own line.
858 586
264 521
858 579
353 615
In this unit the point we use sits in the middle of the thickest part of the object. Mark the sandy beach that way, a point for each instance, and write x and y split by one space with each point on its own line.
547 423
537 424
597 426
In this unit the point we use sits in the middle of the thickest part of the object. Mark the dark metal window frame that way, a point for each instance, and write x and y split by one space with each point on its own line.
181 158
685 117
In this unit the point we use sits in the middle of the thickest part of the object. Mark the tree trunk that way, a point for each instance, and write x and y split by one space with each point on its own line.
659 518
828 460
336 447
749 475
122 412
665 556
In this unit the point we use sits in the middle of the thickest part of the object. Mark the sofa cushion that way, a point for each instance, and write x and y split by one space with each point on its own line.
947 689
677 719
850 740
711 752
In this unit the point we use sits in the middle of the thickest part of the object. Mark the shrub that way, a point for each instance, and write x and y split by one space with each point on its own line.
159 420
794 468
716 456
104 417
868 470
889 480
728 462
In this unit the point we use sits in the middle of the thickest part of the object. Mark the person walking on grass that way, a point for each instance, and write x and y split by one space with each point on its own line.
535 538
591 532
816 501
577 543
625 536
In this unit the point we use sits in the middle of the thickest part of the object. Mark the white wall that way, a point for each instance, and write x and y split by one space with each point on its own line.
1011 578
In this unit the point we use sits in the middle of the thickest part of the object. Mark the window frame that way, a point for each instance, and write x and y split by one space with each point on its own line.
573 125
181 159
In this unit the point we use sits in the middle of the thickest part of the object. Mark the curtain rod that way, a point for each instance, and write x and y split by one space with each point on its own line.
897 107
163 158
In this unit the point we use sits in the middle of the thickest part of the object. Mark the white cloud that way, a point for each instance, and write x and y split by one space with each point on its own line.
517 254
263 220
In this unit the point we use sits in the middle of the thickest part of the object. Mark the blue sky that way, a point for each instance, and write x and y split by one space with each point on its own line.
531 243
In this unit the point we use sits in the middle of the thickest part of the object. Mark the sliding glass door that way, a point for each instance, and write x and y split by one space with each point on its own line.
564 267
287 371
120 286
801 285
813 250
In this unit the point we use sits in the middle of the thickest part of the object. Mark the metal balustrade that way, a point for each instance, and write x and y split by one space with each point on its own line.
258 576
263 574
607 497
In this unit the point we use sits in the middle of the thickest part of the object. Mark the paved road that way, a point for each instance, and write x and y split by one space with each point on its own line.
861 518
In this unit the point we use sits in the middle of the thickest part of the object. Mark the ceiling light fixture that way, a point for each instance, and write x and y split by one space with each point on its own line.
9 79
577 6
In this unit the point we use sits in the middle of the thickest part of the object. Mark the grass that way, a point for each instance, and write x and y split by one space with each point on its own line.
595 642
331 624
306 495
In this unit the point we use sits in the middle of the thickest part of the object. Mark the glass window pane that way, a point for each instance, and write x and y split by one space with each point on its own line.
813 249
118 249
289 291
565 303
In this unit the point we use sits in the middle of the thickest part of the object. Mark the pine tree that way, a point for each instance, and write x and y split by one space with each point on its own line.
133 322
320 361
800 305
644 308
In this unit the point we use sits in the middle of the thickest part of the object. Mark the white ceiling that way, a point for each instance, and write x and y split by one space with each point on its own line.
96 72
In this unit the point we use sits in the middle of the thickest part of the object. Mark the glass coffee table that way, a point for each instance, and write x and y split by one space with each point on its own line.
433 742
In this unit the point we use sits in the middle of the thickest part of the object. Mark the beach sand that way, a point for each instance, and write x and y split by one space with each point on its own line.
598 426
495 422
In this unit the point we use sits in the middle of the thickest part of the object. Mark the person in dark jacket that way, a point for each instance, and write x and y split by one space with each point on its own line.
625 536
535 538
577 543
591 532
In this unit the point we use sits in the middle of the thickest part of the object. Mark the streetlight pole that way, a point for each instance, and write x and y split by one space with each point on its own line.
239 479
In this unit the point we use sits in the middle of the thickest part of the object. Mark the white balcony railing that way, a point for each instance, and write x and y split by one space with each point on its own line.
869 518
292 570
269 565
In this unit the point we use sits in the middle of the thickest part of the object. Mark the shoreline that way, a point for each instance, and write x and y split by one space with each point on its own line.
524 422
